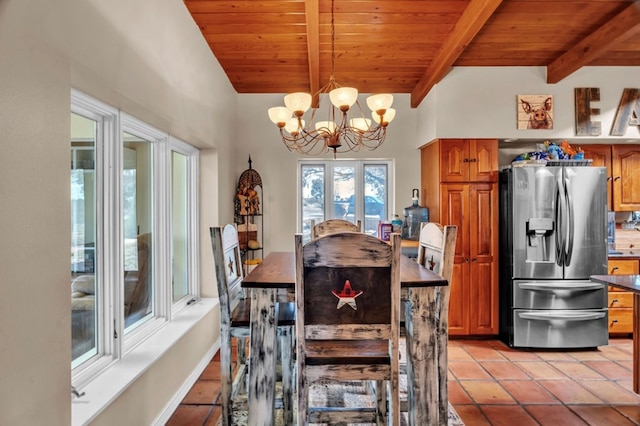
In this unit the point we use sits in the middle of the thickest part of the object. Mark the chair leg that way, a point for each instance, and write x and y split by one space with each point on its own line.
225 378
242 362
302 390
443 366
381 398
286 347
302 395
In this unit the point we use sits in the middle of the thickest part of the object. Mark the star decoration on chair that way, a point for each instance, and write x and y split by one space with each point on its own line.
230 265
347 296
432 264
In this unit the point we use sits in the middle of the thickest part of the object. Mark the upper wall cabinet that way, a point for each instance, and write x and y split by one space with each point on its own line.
623 173
468 160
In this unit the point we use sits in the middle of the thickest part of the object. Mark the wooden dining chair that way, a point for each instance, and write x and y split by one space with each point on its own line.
331 226
235 321
436 251
347 325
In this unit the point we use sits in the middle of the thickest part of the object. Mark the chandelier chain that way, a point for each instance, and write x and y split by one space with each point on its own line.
333 41
338 132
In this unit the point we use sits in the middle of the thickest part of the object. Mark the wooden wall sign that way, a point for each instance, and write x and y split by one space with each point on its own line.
627 114
535 112
583 98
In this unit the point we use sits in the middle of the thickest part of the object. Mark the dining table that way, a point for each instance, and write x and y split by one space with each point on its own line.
275 276
628 283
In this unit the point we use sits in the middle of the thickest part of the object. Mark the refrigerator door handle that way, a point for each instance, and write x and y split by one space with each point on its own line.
560 223
571 223
560 287
565 316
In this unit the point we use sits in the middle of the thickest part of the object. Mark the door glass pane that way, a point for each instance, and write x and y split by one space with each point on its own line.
179 224
312 196
375 196
343 193
137 206
83 239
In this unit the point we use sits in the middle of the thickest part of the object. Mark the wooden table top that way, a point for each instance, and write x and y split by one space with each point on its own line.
278 270
625 282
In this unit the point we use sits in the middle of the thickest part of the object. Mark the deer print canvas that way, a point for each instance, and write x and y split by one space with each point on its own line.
535 112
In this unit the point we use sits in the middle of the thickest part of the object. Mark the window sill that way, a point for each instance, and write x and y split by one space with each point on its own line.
108 385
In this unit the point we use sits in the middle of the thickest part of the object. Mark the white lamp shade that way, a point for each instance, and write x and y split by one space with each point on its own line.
292 125
326 126
343 96
360 123
279 114
298 101
380 101
387 117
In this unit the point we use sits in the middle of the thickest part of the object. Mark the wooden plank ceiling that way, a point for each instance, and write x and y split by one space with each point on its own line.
407 46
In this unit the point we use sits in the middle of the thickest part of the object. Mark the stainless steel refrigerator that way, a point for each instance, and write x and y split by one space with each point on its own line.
553 237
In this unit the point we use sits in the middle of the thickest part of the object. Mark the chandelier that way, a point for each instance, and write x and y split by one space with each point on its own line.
332 129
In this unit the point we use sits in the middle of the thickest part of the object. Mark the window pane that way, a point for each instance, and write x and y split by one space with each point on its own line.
357 190
343 193
312 196
83 239
375 196
179 225
137 206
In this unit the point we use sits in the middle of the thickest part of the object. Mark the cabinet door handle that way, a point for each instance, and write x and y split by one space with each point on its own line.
615 268
614 321
473 160
609 178
474 259
616 178
466 160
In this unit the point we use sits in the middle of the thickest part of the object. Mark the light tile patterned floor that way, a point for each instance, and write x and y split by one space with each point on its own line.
492 384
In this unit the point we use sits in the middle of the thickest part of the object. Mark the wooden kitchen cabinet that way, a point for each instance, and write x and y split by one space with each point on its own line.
468 160
473 207
621 302
623 173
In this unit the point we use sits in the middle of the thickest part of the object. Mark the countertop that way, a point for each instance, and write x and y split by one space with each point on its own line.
625 282
624 254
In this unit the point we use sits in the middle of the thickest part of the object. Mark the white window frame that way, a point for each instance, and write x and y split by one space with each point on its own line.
111 123
107 120
359 165
193 159
159 140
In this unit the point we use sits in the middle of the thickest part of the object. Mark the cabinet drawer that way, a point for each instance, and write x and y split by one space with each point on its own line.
620 299
623 267
621 320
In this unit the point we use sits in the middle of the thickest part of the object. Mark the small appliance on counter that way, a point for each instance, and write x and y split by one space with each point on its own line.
611 233
384 230
414 215
397 224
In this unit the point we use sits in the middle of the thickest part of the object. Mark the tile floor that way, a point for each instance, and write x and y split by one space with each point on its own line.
492 384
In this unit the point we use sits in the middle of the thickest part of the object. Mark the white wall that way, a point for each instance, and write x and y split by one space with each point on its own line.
258 136
481 102
149 59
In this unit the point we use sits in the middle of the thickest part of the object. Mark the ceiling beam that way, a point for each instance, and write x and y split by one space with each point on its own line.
470 23
312 11
615 30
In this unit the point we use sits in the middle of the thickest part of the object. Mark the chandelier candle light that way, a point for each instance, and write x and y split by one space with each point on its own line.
338 132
